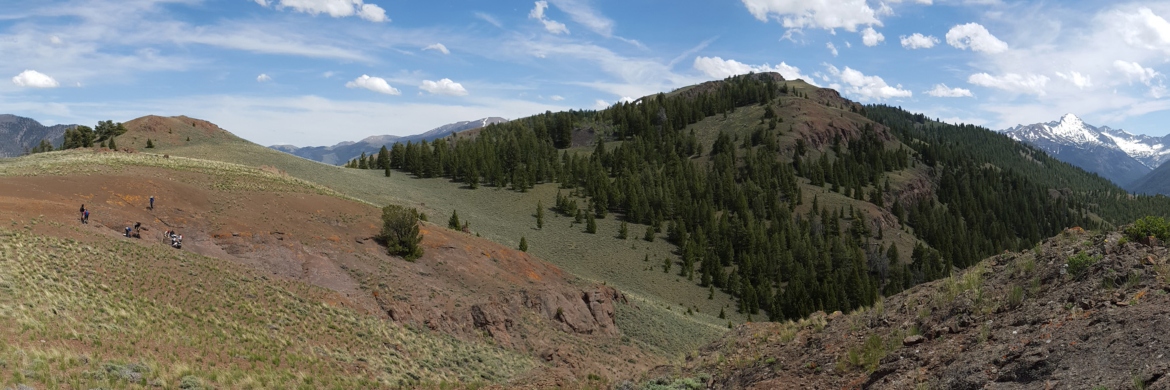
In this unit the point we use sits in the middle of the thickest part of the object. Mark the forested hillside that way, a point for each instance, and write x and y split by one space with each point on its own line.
739 174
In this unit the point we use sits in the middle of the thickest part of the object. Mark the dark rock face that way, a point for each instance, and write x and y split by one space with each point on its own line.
21 134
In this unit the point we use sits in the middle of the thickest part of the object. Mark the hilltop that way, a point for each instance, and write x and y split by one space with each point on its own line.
172 131
1081 310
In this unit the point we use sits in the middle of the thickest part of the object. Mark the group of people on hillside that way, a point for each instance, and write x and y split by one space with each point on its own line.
176 239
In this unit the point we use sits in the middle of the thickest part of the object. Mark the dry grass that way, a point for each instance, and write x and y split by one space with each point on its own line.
113 314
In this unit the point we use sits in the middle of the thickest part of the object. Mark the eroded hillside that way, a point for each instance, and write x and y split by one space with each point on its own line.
1081 310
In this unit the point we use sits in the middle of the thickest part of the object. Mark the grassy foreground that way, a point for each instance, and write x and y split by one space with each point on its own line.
116 315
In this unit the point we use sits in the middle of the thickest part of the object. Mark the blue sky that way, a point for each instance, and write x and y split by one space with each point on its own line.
317 72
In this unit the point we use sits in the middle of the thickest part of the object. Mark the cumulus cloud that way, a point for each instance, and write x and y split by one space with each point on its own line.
443 87
1134 70
556 98
941 90
33 79
334 8
1145 29
796 14
1012 82
600 104
975 37
263 78
832 48
719 68
376 84
867 87
871 37
1082 81
550 25
918 41
438 47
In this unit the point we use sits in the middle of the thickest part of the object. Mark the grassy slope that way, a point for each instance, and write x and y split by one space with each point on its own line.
504 216
100 313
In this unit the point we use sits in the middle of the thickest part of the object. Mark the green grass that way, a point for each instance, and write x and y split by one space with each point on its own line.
109 314
504 216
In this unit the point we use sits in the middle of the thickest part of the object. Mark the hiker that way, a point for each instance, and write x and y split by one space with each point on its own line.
138 230
85 217
82 212
127 232
152 202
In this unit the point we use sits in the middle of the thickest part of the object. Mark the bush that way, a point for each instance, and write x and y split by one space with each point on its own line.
1149 227
1080 263
400 232
523 244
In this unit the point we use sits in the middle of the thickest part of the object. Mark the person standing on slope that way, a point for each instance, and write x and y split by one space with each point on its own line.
82 213
152 202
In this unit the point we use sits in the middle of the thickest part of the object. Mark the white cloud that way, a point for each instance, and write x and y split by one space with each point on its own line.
581 13
334 8
550 25
1076 78
328 74
556 98
871 37
925 2
443 87
941 90
1145 29
600 104
263 78
797 14
719 68
56 40
918 41
484 16
867 87
33 79
376 84
439 47
832 48
975 37
1133 70
1012 82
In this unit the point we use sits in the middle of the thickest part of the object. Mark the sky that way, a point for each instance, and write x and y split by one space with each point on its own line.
319 72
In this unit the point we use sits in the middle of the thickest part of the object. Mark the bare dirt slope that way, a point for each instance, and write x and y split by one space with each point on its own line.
470 288
1016 321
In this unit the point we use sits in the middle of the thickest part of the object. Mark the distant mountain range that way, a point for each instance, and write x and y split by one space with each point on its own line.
1114 154
345 151
20 134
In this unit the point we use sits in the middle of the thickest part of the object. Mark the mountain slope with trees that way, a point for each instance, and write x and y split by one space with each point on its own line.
24 135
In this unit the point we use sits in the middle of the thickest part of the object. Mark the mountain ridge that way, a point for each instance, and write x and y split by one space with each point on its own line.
1115 154
27 133
347 150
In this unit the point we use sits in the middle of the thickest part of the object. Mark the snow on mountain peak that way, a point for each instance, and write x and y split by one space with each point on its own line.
1073 129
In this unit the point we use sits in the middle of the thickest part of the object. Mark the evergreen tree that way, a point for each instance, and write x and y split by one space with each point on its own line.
523 244
149 144
113 146
453 223
590 224
623 231
400 232
649 236
539 215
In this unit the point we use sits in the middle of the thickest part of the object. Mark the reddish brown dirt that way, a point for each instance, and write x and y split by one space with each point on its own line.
470 288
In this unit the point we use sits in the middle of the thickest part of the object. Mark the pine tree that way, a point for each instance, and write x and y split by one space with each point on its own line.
523 244
113 146
539 215
624 231
649 236
453 223
149 144
723 316
666 265
590 224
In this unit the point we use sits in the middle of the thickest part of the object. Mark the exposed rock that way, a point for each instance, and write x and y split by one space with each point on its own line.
913 340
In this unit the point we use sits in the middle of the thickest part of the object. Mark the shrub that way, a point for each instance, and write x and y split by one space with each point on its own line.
1080 263
1149 227
400 232
523 244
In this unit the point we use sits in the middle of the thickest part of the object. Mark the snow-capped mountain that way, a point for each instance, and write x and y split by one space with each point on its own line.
1112 153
